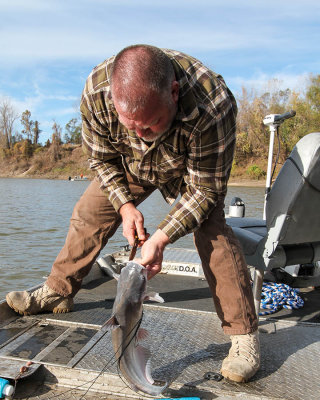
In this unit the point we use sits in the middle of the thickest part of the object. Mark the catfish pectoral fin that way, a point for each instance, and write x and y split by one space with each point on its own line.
141 335
153 296
111 322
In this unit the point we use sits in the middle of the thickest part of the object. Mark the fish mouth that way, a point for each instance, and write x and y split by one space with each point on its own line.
134 282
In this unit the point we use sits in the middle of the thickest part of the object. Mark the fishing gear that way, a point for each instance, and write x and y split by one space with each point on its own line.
112 361
135 245
275 296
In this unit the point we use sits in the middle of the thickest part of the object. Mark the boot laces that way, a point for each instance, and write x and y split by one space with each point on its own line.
45 294
245 347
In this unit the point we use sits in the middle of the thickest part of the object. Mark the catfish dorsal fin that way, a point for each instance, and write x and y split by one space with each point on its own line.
111 322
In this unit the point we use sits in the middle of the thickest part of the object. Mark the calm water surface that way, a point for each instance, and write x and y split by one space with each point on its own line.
34 220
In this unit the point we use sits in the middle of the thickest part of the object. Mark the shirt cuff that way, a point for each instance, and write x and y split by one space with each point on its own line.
172 228
119 196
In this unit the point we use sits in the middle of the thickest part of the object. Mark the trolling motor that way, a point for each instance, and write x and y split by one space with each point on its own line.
273 121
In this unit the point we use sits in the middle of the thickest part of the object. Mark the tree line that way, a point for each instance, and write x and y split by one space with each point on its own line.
252 135
26 142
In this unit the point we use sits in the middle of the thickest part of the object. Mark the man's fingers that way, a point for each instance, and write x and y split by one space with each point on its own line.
141 232
130 236
153 270
142 261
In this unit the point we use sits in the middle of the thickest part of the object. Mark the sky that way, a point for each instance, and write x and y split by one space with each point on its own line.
49 47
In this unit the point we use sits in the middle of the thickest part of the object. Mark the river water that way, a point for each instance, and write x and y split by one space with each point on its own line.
34 220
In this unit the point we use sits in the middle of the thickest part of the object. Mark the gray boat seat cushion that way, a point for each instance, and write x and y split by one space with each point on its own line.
296 194
249 231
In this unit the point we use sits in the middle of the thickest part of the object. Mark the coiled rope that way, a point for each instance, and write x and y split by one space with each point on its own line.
275 296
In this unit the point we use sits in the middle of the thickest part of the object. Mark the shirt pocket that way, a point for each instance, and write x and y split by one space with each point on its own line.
169 163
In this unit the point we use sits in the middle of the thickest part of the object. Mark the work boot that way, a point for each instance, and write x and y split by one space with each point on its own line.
42 299
243 360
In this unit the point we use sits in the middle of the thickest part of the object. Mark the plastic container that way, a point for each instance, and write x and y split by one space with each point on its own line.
181 398
5 388
237 208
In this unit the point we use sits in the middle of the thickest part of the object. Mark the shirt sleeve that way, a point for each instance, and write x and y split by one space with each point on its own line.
103 157
209 161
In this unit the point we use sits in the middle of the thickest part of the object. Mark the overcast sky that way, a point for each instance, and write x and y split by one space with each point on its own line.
48 47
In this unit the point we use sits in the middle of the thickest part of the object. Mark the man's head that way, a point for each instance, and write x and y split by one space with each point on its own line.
144 90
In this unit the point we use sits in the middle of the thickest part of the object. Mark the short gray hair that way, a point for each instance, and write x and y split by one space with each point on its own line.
138 72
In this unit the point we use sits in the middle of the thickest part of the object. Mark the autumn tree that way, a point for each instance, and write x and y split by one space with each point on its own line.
27 124
31 128
252 139
55 142
8 116
36 132
313 92
73 132
56 132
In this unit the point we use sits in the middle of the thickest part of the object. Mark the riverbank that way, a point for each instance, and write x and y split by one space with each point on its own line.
232 182
72 162
89 175
246 182
69 161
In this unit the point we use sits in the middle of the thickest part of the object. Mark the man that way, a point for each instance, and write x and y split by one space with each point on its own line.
158 119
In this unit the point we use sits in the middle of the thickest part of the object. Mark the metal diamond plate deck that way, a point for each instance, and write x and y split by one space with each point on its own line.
185 345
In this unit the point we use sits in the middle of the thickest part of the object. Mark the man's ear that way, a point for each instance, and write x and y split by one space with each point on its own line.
175 91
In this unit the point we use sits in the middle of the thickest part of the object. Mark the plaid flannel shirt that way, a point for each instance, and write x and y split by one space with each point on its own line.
193 158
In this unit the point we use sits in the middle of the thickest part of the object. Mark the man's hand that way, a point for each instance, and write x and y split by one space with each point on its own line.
132 223
152 253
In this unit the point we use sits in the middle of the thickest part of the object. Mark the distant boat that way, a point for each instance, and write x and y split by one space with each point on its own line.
78 178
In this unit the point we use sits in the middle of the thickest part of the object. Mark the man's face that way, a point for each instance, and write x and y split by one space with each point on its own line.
151 122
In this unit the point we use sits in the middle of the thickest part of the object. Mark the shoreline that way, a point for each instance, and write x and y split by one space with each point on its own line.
247 182
232 181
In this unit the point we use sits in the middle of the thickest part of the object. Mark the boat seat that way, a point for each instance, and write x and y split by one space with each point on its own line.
249 231
290 234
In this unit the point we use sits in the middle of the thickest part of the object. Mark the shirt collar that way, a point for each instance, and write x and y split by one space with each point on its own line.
187 106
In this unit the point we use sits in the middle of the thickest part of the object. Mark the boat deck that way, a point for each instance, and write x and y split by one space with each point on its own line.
73 356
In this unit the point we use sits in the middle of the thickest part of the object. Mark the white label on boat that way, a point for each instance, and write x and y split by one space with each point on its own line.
182 269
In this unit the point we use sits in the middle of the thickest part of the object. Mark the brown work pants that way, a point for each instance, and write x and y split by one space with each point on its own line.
94 221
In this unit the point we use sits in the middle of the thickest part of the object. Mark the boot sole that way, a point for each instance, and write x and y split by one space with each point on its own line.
20 312
56 310
236 378
61 310
9 302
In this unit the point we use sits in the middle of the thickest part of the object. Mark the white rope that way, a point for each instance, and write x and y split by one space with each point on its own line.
275 296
